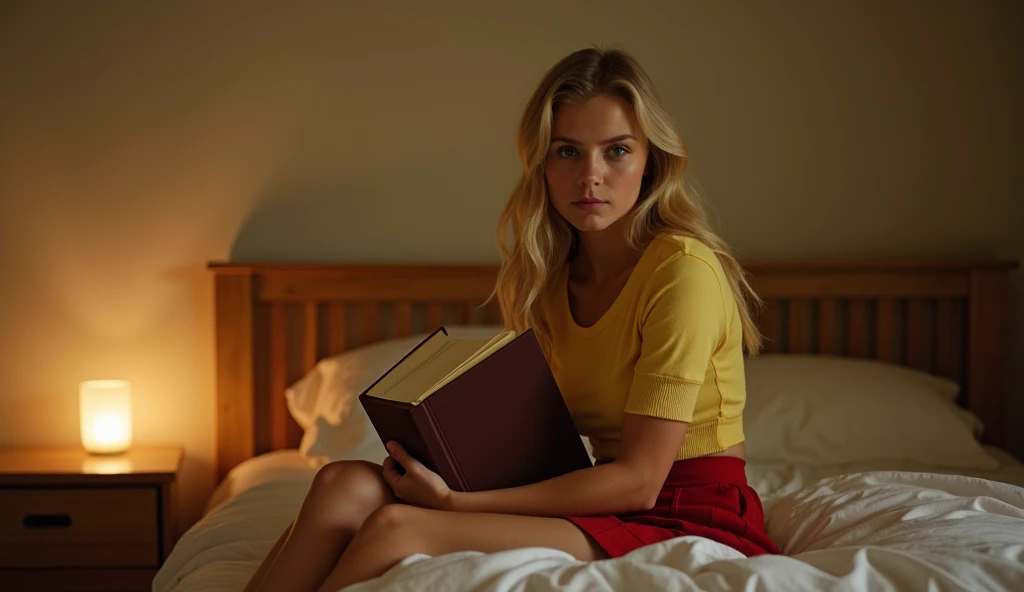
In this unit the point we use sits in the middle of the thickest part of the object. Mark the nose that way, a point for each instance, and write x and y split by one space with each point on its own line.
592 174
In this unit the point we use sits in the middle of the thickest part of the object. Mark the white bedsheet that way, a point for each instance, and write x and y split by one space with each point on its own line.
881 530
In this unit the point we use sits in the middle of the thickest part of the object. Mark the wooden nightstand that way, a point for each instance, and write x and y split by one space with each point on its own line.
71 521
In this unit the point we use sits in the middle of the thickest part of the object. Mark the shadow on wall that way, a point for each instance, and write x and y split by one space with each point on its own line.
415 215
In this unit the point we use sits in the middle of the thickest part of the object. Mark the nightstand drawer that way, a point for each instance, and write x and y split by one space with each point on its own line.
79 527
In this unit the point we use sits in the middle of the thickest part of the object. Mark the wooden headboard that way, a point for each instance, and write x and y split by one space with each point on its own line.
275 321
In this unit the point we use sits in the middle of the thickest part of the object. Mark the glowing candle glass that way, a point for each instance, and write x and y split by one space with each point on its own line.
106 414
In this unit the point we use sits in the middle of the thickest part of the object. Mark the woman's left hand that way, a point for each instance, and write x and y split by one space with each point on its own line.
419 485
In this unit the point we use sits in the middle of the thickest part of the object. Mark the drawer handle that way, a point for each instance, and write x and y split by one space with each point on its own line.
47 521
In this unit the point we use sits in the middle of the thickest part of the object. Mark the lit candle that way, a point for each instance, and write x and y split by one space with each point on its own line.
106 414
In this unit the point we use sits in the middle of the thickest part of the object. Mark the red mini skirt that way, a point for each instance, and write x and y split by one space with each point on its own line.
706 497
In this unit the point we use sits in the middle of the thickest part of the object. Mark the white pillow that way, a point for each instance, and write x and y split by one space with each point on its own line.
823 410
324 402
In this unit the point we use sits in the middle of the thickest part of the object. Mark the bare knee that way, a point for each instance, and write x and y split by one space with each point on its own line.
349 489
390 521
346 470
355 479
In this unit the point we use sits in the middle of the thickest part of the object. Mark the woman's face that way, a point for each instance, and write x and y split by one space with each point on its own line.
596 162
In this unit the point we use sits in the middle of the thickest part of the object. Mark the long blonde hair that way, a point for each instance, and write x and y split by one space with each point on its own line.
535 241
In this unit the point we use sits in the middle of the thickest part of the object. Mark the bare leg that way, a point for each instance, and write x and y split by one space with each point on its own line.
394 532
261 571
342 496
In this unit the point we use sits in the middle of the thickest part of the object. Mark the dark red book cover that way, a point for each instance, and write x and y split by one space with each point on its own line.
502 423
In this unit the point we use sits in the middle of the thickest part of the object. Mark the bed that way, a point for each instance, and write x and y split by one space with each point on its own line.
913 503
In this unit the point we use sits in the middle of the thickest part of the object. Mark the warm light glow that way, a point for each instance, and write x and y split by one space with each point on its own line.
117 465
106 408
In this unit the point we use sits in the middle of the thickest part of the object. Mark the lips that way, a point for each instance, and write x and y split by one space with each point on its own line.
589 204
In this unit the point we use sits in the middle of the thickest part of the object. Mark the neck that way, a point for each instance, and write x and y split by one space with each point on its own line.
604 254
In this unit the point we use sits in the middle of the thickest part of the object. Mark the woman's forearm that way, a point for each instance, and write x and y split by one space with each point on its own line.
603 489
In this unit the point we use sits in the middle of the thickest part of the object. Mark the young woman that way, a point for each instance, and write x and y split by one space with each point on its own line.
643 315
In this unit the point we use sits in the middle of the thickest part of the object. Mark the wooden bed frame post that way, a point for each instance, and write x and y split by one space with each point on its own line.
234 295
987 334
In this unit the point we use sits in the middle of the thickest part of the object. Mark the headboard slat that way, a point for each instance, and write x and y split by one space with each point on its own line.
857 329
278 374
261 389
467 312
986 347
371 323
827 326
492 314
914 339
236 355
798 312
403 319
311 336
885 346
769 325
435 314
336 338
944 357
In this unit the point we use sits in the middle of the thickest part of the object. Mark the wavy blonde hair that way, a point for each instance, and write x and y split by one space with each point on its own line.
535 240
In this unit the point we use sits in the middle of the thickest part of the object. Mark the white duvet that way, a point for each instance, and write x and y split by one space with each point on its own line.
880 530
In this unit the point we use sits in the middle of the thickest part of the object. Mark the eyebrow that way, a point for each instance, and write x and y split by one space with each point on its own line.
608 141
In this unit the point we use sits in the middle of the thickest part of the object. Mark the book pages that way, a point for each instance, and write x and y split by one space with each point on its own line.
497 342
424 367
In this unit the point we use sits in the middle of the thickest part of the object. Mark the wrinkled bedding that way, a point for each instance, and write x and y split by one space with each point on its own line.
840 528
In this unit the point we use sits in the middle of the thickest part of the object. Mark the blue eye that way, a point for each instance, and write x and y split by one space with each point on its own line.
565 151
619 151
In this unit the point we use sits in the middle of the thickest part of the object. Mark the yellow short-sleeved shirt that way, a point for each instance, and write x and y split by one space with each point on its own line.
670 346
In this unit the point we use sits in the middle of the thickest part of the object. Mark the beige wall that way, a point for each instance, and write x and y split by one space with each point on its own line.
137 143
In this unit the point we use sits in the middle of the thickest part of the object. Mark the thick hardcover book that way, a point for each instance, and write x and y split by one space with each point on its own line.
482 414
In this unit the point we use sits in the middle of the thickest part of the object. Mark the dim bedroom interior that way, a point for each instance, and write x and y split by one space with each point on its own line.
874 426
243 213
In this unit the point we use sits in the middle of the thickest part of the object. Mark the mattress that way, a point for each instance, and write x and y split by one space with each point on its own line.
849 527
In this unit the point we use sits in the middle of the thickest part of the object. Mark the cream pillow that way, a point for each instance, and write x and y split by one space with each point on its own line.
822 410
324 402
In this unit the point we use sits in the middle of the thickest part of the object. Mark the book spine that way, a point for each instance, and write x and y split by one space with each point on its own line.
433 438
